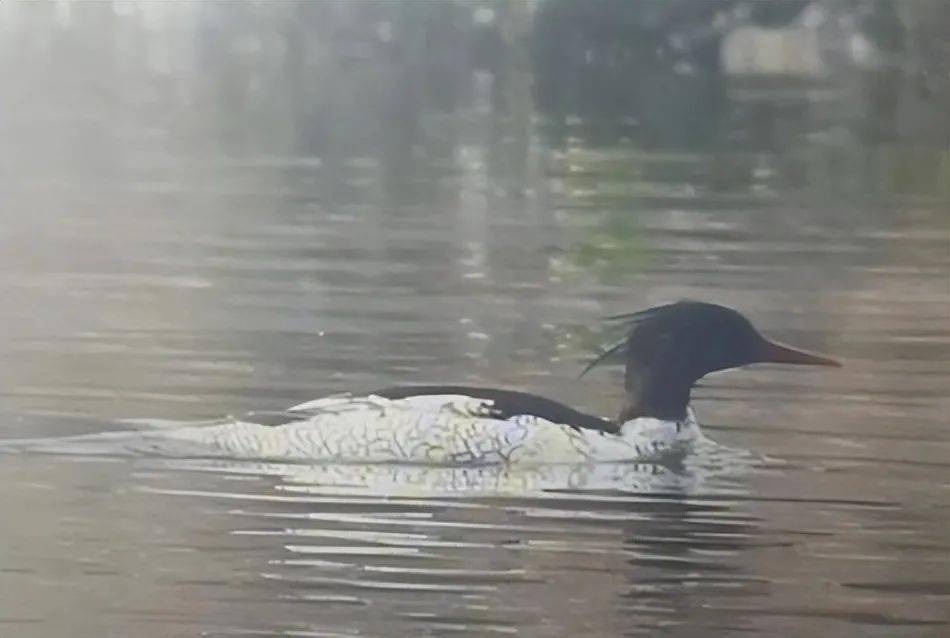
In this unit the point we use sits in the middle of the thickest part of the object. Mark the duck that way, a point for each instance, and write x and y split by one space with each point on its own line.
665 350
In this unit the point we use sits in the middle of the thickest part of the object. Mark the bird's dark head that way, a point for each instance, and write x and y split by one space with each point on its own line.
668 348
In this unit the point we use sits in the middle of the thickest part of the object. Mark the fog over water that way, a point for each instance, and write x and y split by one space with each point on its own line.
214 208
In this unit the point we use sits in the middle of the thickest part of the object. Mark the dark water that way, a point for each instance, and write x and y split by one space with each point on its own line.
146 278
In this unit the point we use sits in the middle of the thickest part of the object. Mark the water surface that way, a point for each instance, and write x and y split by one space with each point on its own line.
148 278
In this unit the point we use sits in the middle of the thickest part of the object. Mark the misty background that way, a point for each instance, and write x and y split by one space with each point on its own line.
208 208
182 179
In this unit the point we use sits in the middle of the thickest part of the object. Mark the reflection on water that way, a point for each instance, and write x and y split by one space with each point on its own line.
274 550
198 234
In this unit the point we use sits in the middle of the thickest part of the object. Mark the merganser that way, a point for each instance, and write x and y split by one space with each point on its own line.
665 351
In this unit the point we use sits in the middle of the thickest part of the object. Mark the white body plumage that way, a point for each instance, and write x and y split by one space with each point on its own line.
427 429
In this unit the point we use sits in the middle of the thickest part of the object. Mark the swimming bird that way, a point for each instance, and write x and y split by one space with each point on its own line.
665 350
